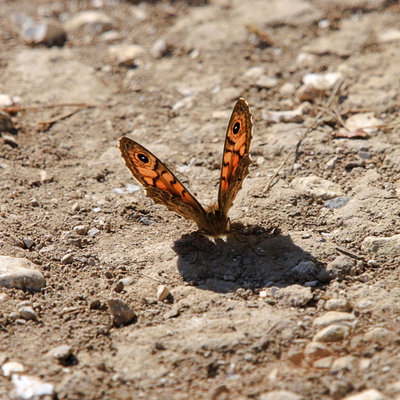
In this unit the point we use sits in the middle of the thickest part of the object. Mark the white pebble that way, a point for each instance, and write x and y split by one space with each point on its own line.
93 231
126 54
162 293
31 387
369 394
11 367
280 395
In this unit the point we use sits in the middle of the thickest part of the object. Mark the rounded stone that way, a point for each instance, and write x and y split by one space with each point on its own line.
122 314
332 333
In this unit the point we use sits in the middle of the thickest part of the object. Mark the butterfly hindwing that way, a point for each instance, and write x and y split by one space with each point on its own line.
235 159
160 183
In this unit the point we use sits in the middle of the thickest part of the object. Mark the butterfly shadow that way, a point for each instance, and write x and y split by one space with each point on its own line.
251 259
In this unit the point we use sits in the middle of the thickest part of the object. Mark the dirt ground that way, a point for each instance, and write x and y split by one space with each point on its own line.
248 316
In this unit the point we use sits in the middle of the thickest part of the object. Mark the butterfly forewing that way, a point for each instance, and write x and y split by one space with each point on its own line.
235 159
160 183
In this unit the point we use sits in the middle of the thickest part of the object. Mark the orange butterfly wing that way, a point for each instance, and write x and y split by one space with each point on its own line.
160 183
235 159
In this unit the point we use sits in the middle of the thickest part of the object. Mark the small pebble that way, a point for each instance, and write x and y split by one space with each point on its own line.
280 395
95 304
75 207
110 36
338 389
5 100
24 303
254 72
337 305
27 313
127 281
334 317
6 124
48 32
340 268
12 367
369 394
126 55
266 82
146 221
34 203
162 293
60 353
28 242
91 21
292 296
332 333
67 259
336 203
121 313
283 116
81 229
287 89
321 81
160 48
31 387
263 294
93 231
10 140
304 269
119 287
331 163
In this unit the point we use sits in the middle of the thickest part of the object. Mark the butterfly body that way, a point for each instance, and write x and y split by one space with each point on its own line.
164 188
216 222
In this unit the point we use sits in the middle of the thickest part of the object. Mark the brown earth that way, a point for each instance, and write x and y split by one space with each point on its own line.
225 333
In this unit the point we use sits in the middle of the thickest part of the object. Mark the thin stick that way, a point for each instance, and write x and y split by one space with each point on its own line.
348 253
304 135
150 277
34 108
45 125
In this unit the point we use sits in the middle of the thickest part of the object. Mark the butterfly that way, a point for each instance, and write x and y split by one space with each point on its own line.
164 188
